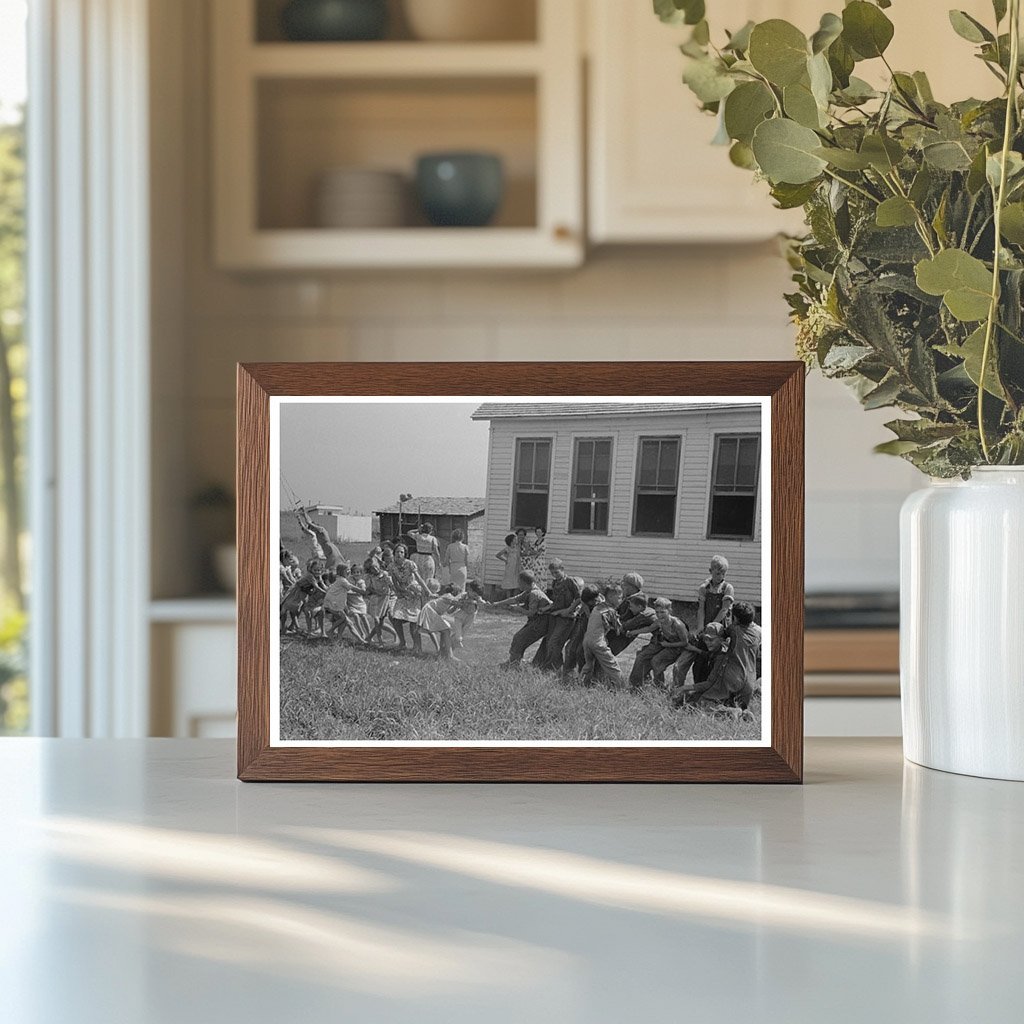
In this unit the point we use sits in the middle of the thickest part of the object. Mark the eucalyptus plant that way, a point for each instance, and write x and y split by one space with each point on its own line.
910 278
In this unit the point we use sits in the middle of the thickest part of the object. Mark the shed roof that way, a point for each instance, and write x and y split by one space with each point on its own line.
545 410
438 507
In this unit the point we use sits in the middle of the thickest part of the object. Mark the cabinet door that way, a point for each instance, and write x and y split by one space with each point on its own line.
654 176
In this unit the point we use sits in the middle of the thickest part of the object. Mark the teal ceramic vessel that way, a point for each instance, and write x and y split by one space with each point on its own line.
334 21
461 190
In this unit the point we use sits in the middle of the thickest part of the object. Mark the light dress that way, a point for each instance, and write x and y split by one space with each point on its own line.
436 615
457 557
409 593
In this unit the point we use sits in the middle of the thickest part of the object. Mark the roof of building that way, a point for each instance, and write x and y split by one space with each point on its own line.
535 410
340 510
438 507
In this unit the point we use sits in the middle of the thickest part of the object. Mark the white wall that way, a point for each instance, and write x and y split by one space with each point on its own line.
714 302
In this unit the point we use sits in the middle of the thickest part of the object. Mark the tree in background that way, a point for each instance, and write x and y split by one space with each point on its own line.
13 409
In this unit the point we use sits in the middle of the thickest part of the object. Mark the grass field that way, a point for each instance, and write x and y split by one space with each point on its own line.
331 691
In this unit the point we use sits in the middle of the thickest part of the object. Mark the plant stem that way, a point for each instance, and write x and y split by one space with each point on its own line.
855 187
993 309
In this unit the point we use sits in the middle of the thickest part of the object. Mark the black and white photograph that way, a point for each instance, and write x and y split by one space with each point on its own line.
508 570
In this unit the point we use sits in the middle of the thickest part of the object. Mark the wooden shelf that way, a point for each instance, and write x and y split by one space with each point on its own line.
393 60
401 247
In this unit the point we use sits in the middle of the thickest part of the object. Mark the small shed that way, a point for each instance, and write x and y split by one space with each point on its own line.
445 514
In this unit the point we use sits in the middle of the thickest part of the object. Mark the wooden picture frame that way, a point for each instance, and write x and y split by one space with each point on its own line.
779 759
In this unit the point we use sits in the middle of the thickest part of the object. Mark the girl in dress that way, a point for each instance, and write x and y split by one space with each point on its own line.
410 588
436 620
510 556
456 561
535 556
464 616
428 552
380 600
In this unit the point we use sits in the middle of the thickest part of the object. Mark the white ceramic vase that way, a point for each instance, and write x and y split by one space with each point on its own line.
962 624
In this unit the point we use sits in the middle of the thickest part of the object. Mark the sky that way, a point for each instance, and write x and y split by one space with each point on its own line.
12 55
362 455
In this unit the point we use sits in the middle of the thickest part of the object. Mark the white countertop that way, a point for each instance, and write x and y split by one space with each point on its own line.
143 885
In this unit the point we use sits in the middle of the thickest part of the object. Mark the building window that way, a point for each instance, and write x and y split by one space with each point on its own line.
657 482
532 484
734 487
591 485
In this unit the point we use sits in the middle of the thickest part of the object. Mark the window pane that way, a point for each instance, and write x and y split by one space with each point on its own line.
746 473
542 463
601 517
655 513
525 474
584 461
732 515
726 474
530 510
648 463
668 464
602 462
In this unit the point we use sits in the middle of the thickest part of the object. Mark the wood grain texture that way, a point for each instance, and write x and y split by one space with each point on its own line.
781 762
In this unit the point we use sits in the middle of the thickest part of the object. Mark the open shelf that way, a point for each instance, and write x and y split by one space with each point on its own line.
286 114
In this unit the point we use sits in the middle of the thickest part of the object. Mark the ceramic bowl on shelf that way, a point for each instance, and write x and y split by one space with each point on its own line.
332 21
460 189
470 20
361 198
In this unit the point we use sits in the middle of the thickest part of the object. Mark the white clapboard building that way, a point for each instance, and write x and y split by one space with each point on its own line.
653 487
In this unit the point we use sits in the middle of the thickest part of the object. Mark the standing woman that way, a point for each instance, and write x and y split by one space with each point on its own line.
510 556
456 561
428 552
535 556
410 589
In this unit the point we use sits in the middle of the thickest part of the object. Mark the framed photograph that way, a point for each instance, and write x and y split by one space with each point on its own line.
549 572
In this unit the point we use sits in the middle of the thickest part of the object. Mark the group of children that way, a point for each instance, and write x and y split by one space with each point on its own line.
584 628
390 593
577 627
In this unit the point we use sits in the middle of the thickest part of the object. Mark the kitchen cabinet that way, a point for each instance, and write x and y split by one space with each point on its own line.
286 113
653 175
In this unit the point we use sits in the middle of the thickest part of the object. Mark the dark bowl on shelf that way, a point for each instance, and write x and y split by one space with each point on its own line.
333 21
461 190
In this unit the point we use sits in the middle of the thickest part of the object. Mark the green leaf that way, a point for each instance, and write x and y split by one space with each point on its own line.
676 12
742 155
829 30
1012 224
1014 169
708 80
923 431
924 87
778 50
745 108
921 185
895 447
968 28
789 197
884 395
866 29
844 159
820 76
739 41
883 153
999 7
971 352
963 281
841 60
785 152
800 105
976 174
701 33
947 156
896 212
